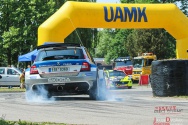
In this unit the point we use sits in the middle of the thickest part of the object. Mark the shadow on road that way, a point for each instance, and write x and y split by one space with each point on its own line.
61 98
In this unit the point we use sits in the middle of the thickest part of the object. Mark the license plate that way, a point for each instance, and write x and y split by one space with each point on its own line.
121 85
58 80
59 69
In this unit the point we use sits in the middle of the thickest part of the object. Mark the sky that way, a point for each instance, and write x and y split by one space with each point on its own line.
108 1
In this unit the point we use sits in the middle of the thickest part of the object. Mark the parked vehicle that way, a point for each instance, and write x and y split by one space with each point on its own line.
117 79
123 64
9 76
105 67
142 65
64 68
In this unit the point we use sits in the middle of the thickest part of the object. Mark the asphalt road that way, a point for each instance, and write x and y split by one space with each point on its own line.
134 106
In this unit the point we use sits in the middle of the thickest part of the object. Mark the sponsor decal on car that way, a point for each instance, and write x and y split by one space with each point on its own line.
66 64
58 79
88 74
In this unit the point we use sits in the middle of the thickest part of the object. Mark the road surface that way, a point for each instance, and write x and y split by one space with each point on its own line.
134 106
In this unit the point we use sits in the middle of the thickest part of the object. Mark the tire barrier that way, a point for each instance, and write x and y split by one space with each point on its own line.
169 78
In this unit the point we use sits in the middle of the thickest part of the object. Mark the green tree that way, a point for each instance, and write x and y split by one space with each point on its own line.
20 21
139 1
118 45
19 24
105 37
150 40
11 38
184 6
157 41
112 44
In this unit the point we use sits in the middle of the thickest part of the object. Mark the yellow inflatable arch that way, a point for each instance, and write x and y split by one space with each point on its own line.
74 15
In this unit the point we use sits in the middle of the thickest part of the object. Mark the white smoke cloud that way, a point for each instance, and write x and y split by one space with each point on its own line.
39 96
105 93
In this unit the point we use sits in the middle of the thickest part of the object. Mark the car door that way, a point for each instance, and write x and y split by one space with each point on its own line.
3 75
12 77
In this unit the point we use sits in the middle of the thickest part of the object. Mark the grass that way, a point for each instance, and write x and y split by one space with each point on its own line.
5 122
182 96
12 89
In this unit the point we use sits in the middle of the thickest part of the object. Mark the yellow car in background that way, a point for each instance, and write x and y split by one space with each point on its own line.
117 79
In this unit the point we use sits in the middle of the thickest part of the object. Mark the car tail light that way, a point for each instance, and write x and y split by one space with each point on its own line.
85 66
33 70
84 56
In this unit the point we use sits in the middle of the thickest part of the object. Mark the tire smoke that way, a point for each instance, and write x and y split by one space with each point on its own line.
39 94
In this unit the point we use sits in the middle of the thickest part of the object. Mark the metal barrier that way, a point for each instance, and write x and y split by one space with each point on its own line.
144 80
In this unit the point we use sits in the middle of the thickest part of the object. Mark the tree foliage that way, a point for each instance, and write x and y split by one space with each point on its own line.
20 20
157 41
112 44
19 23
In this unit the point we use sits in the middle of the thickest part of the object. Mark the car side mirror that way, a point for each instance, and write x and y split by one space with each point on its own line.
0 77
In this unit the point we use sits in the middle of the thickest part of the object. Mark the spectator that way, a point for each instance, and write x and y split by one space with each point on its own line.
28 66
22 80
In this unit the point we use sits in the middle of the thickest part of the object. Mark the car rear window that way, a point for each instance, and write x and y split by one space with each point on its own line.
123 63
60 54
116 73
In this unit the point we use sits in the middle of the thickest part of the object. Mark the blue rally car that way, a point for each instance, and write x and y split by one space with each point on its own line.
65 68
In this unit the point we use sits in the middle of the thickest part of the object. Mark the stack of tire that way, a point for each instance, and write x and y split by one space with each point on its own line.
169 78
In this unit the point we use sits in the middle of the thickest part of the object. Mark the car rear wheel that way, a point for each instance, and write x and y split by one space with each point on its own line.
93 92
37 92
98 91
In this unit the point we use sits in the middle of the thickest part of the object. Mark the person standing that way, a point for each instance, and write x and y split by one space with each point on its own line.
28 66
22 80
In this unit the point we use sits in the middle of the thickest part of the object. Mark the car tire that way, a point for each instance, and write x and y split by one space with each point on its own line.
49 95
169 77
129 87
93 92
98 91
31 94
132 80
